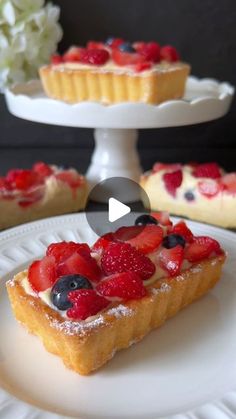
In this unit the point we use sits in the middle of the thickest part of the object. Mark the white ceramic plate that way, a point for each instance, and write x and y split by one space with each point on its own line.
185 369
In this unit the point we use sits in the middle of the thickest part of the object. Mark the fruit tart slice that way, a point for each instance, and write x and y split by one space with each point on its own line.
42 191
203 192
116 71
87 303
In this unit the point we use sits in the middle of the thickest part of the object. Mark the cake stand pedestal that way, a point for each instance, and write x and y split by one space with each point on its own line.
116 126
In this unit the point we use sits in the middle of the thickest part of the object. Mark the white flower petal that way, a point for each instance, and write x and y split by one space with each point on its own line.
8 13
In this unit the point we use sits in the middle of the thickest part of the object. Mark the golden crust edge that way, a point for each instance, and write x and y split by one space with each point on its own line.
91 347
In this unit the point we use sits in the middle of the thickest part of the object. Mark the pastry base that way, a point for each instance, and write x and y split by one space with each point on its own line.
109 87
86 345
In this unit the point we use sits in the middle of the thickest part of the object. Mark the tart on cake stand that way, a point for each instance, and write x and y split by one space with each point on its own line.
116 126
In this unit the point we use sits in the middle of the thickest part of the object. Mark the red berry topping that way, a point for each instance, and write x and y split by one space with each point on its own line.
42 274
80 263
30 197
42 169
172 181
114 42
162 217
94 56
63 250
142 66
150 51
71 177
171 259
229 183
56 59
169 53
103 242
73 54
86 303
201 248
22 179
127 58
166 166
209 170
126 285
95 45
209 188
122 257
144 238
182 229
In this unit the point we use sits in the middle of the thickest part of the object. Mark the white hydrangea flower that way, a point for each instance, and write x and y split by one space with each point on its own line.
29 33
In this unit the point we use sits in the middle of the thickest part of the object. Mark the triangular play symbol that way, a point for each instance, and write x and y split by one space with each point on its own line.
116 210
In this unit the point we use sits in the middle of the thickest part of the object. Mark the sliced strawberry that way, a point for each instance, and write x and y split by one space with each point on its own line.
56 59
166 166
163 218
208 170
150 51
103 242
172 181
42 274
171 259
94 56
63 250
122 257
209 188
31 197
71 177
182 229
86 303
127 58
73 54
22 179
114 42
42 169
201 248
142 66
95 45
125 285
144 238
229 183
169 53
82 264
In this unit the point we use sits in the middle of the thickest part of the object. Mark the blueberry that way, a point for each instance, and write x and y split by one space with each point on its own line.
126 47
64 285
173 240
109 40
189 196
145 219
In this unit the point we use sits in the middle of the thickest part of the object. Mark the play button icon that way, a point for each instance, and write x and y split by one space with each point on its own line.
113 203
116 210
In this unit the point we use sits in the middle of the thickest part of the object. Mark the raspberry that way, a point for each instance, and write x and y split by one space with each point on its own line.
229 183
208 170
169 53
125 285
42 273
80 263
95 45
122 257
150 51
209 188
182 229
42 169
63 250
86 303
56 59
172 181
94 56
201 248
171 259
22 179
144 238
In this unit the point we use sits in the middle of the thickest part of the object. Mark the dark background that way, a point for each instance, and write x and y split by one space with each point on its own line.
205 34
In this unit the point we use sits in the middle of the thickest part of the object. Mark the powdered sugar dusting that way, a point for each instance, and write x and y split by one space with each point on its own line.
72 328
11 282
120 311
163 288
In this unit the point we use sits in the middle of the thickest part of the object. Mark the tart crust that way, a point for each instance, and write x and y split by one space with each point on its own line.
114 86
86 345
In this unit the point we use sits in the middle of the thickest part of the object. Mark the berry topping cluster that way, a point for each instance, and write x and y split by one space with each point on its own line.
27 184
84 281
211 181
140 55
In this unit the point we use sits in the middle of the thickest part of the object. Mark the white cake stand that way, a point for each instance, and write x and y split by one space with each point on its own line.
116 126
